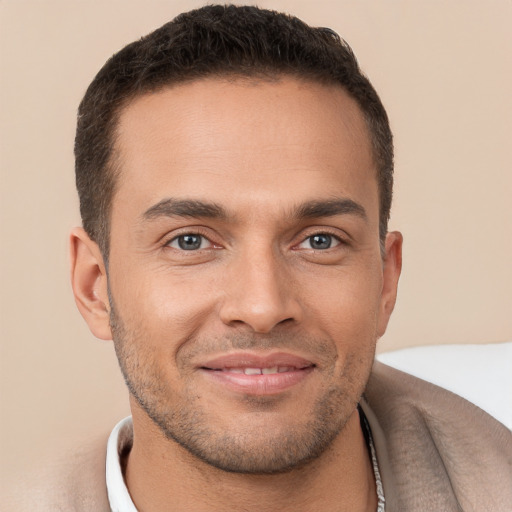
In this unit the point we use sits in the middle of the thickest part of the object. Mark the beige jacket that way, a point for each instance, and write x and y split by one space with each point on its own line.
436 453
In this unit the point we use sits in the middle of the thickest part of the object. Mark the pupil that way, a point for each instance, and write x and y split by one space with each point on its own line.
189 242
321 242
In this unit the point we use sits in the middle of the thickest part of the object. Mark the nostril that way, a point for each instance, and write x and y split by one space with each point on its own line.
260 311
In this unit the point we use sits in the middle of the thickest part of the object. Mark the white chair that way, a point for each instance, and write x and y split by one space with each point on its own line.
481 374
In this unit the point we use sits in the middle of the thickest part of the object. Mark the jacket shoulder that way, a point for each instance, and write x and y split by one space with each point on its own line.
436 448
74 480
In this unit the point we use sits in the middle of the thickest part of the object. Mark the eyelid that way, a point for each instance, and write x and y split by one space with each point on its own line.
335 242
195 231
342 238
174 240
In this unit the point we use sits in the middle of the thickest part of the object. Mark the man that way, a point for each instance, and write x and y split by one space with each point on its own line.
234 169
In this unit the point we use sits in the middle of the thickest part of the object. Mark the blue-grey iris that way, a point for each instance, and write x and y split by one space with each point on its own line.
189 242
321 241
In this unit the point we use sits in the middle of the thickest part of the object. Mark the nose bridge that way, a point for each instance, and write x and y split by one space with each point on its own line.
258 290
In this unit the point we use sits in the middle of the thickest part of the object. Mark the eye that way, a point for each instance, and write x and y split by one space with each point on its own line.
320 242
189 242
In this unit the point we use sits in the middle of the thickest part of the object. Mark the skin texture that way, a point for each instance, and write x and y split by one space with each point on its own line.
273 158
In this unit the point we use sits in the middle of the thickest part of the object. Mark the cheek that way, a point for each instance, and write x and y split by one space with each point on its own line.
346 303
167 307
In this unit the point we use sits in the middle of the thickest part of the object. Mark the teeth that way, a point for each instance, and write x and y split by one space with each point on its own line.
252 371
261 371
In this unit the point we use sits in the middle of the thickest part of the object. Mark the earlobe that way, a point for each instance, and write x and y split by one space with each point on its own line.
89 283
391 275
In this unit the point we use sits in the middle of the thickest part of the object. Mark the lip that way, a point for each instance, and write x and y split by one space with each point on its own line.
225 370
255 360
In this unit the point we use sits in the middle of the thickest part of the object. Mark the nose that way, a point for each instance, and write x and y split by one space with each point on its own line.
260 293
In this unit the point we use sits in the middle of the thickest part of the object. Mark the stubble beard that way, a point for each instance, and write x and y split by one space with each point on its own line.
254 450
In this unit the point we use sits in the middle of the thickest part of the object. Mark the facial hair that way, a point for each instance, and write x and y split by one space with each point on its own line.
254 449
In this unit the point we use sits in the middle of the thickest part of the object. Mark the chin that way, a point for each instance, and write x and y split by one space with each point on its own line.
263 446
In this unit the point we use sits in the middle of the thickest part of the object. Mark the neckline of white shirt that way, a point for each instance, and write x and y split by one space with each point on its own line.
121 439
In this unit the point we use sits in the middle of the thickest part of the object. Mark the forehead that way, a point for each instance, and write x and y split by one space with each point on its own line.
227 138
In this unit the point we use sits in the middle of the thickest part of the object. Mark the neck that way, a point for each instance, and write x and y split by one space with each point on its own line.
161 475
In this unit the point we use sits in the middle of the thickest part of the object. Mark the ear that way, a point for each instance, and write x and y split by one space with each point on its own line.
391 274
89 283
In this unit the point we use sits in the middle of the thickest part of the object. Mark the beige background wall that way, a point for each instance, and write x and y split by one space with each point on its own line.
443 70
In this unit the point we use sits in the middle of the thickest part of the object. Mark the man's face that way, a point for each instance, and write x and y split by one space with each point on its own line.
246 278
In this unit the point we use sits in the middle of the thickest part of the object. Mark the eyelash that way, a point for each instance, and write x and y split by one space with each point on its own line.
335 237
191 232
200 233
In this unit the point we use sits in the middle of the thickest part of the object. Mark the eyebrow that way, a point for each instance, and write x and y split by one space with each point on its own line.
184 208
170 207
330 208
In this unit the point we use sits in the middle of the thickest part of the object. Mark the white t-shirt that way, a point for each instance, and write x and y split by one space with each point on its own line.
120 442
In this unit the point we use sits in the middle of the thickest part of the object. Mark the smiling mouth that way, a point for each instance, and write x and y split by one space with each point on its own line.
259 371
257 375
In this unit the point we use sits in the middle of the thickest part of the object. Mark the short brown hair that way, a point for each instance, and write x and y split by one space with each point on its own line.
215 41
